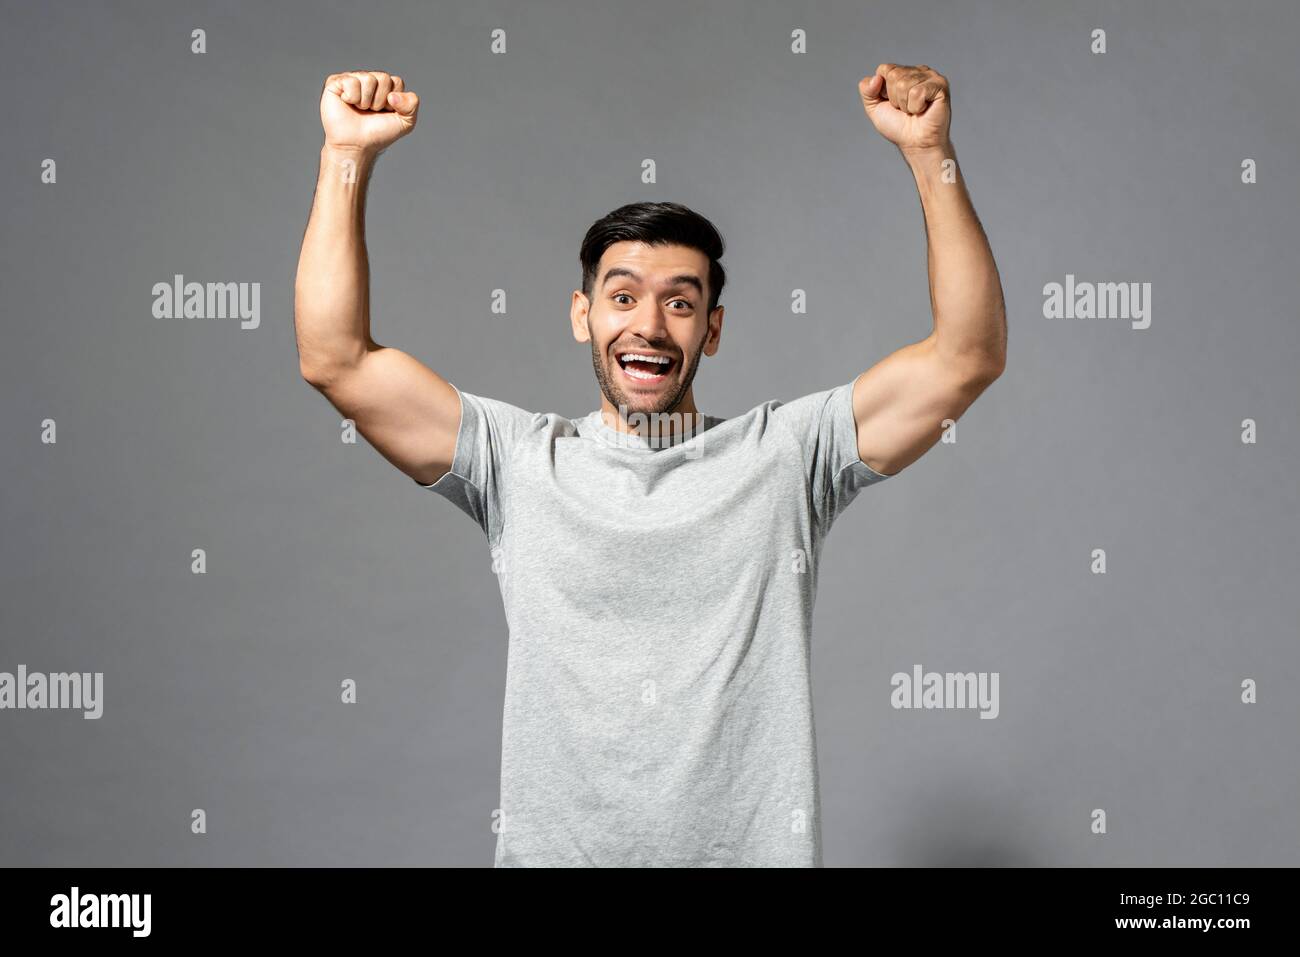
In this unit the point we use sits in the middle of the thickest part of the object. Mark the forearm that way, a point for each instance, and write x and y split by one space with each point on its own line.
332 289
965 289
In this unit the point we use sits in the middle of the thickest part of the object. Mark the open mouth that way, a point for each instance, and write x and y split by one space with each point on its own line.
647 367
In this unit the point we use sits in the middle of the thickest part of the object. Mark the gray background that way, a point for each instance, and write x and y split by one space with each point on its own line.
222 691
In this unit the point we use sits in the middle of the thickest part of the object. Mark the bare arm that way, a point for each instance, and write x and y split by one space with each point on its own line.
405 410
900 403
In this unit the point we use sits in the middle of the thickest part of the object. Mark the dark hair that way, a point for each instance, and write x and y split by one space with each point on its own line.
656 224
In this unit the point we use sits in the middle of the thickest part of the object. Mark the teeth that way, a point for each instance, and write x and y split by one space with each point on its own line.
638 374
626 357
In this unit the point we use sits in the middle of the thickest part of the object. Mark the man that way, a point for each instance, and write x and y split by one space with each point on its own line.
658 581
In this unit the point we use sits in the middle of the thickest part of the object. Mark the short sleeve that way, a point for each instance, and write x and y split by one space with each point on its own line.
477 481
823 427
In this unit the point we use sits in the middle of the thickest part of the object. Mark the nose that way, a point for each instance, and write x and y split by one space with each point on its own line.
648 322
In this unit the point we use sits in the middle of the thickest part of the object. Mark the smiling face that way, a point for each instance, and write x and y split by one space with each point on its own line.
648 325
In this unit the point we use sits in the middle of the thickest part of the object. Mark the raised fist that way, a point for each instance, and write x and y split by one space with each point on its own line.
366 110
908 105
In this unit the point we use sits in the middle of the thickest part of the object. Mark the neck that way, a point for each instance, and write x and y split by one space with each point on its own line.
684 412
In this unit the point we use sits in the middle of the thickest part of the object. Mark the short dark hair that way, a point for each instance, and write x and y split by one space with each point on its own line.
656 224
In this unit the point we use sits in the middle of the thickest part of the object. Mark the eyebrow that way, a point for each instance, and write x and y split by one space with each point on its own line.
685 279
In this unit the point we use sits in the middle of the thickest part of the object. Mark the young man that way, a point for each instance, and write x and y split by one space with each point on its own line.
658 574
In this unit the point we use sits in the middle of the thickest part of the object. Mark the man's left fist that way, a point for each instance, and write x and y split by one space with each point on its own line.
908 105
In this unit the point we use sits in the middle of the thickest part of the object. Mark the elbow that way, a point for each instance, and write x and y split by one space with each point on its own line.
313 362
976 365
323 368
312 380
976 375
977 372
312 372
319 375
990 362
993 367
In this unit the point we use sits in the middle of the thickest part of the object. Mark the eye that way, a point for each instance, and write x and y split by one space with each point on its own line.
685 302
621 295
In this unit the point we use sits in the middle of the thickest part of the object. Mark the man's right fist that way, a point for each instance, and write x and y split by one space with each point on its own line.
366 110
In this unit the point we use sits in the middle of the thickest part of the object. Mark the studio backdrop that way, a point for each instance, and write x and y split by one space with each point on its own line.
1111 531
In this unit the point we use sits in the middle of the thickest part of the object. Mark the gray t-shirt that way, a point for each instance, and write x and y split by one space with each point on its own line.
659 596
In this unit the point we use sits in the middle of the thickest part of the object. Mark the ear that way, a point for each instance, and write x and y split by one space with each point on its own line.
714 338
578 316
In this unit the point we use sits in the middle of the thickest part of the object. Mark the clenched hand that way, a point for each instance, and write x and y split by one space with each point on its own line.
366 110
908 105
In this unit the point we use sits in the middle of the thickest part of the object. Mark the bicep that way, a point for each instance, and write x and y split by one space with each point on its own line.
901 403
409 413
